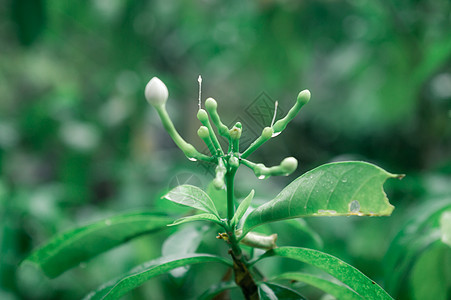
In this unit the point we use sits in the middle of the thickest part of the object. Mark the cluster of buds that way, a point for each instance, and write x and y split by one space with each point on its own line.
157 94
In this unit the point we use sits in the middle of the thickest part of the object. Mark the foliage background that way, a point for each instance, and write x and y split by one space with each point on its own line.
78 142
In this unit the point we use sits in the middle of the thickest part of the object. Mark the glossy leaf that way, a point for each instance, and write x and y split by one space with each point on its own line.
199 217
192 196
419 232
272 291
339 291
302 226
119 287
429 278
242 208
217 289
69 249
183 241
335 189
344 272
266 293
445 227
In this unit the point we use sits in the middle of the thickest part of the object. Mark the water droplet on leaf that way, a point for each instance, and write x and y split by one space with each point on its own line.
354 206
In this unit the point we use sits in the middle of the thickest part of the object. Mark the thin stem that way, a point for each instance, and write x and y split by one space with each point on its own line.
187 148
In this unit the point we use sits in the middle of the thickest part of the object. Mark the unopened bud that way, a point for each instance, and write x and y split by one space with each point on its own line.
289 165
203 133
267 133
202 115
211 104
257 240
156 92
304 97
235 133
234 162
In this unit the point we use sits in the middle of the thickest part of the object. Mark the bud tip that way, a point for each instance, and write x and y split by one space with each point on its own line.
156 92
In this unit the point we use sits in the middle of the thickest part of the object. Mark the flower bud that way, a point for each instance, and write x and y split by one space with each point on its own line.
304 97
203 133
156 92
267 133
289 165
235 133
202 115
234 162
258 240
211 104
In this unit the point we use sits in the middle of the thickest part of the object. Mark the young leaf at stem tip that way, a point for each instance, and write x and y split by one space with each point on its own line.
242 208
192 196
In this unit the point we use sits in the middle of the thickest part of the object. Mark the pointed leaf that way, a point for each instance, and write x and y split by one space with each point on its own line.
183 241
199 217
428 278
69 249
419 233
344 272
335 189
242 208
337 290
192 196
118 287
265 292
272 291
445 227
217 289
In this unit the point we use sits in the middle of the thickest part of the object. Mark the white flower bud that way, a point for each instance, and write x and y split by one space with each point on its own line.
156 92
289 165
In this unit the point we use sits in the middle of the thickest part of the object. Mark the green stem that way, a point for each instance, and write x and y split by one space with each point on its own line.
230 177
187 148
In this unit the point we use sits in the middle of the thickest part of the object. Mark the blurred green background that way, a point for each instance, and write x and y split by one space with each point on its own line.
78 142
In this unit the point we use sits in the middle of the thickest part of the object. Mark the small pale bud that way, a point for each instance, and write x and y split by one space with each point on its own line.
203 133
156 92
235 133
267 133
234 162
289 165
211 104
304 97
257 240
202 115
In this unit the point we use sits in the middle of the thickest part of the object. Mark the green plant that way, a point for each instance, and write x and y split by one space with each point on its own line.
334 189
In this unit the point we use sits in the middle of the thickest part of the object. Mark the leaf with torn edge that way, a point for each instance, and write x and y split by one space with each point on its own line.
335 189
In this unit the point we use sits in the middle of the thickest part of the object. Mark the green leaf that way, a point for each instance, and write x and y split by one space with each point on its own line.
419 232
183 241
118 287
302 226
192 196
199 217
335 189
428 278
339 291
445 227
272 291
242 208
69 249
217 289
265 292
344 272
